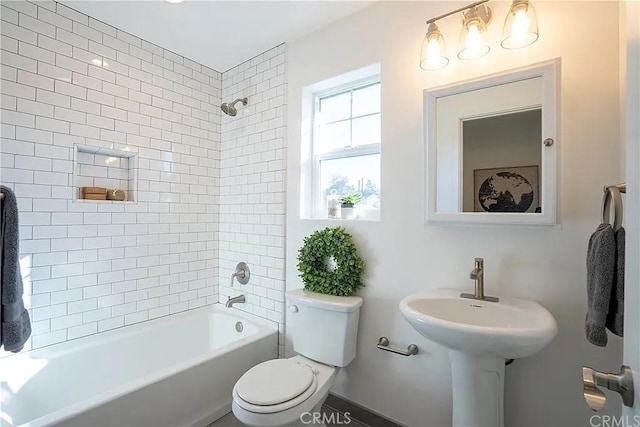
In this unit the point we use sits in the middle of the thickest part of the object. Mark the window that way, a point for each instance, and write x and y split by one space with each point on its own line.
346 146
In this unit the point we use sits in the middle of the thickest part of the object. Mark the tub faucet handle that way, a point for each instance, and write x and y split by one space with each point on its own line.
242 274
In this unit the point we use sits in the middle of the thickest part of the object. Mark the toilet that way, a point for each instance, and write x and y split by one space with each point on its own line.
286 392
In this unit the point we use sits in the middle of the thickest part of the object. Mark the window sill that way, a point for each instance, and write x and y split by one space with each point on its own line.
369 217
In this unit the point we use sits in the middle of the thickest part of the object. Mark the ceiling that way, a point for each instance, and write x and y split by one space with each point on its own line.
219 34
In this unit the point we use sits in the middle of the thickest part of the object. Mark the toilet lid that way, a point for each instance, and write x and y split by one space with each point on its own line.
273 382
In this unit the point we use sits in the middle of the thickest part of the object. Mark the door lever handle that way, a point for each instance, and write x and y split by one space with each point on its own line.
621 383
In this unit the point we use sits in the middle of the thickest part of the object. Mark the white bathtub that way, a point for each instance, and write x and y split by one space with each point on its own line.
173 371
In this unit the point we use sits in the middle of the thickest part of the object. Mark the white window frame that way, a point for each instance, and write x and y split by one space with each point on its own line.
318 201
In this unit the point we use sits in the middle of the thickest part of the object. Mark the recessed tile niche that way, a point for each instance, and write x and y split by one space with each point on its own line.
104 167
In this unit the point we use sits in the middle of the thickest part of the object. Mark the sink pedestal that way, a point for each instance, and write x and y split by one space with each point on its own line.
478 390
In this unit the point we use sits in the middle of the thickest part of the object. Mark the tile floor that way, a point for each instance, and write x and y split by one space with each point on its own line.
230 421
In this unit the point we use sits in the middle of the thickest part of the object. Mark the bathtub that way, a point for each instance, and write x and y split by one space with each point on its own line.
174 371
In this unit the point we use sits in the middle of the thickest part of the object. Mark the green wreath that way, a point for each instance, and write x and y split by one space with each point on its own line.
317 255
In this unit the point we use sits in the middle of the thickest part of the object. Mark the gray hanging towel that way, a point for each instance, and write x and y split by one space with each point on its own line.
601 263
615 316
16 326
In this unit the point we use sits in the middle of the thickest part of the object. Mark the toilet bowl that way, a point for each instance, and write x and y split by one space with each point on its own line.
288 392
282 392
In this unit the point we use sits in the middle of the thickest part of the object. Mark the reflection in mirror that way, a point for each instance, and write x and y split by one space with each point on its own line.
486 160
501 161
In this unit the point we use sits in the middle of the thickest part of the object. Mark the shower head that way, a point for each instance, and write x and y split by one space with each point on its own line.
230 108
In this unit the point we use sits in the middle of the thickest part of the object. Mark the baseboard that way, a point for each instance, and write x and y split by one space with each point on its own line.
359 412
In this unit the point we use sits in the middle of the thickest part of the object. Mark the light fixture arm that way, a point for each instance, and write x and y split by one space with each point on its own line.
462 9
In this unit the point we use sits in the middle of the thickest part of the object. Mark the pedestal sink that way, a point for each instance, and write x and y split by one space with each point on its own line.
480 336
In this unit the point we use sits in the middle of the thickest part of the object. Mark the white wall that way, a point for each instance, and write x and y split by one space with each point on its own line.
94 266
253 153
404 256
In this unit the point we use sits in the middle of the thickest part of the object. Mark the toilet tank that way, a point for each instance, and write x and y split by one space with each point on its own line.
324 328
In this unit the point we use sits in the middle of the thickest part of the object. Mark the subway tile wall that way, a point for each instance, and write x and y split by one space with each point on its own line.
67 80
252 185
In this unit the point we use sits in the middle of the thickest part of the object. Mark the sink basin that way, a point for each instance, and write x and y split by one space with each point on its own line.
509 329
480 336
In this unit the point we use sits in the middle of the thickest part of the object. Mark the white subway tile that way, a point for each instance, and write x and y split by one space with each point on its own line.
71 64
53 98
67 321
52 125
68 115
88 82
17 118
128 82
89 33
96 315
9 15
82 306
54 45
68 270
72 39
54 18
66 296
72 14
102 27
8 74
19 33
101 98
85 106
102 74
37 108
31 79
49 312
82 330
50 338
108 324
115 89
54 72
138 317
33 163
70 89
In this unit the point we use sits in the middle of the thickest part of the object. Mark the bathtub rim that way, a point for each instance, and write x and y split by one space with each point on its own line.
265 328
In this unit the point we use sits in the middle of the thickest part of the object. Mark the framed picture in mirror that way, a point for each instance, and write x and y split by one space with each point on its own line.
507 189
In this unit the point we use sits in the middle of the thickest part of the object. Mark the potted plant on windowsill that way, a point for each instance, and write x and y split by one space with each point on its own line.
347 204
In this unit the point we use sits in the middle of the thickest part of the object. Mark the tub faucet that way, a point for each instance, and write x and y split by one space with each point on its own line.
477 274
234 300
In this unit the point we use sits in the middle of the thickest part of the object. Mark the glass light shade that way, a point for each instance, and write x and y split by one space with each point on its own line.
474 40
433 55
520 25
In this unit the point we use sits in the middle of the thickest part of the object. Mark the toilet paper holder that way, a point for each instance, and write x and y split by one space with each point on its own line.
383 344
621 383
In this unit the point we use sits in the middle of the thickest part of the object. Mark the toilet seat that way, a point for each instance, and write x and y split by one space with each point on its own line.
274 386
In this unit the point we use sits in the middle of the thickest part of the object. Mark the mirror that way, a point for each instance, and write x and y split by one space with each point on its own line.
491 149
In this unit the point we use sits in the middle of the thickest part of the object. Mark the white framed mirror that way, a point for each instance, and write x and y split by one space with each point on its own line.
492 147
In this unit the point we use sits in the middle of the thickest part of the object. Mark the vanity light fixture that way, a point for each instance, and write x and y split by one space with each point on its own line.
434 52
474 40
520 30
520 25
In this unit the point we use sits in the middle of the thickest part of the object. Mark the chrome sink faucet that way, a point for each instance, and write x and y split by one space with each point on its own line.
477 274
235 300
